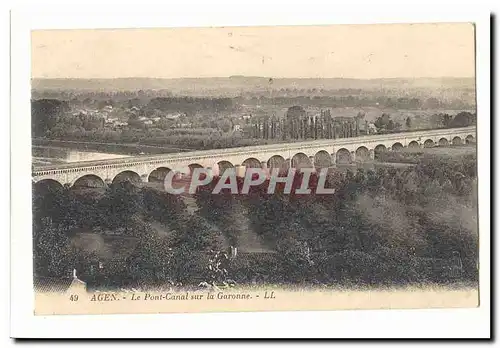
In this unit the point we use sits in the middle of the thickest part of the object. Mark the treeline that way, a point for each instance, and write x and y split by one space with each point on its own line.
384 226
356 101
283 97
190 105
298 126
462 119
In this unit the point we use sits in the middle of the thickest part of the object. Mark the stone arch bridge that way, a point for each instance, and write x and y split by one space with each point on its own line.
318 153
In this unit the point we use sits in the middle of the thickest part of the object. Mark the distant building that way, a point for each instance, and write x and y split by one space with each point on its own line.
120 124
173 116
80 112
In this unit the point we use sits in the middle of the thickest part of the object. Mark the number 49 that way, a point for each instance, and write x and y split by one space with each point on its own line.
73 297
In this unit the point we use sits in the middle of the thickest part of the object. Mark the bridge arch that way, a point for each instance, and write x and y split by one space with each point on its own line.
188 171
276 161
192 166
443 142
429 143
470 139
343 156
89 181
413 145
127 175
159 174
322 159
300 160
252 163
362 153
48 186
397 146
378 150
457 141
223 166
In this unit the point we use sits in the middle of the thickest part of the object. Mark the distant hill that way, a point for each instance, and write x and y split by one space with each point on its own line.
246 83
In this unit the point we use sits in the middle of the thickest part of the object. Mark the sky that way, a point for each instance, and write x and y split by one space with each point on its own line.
348 51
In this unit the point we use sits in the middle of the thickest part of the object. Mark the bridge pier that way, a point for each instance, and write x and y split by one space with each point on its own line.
313 167
210 171
265 168
240 170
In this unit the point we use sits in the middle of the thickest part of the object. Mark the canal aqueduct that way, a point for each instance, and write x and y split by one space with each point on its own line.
318 153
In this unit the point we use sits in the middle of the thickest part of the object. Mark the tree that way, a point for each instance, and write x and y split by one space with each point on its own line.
408 122
440 120
191 246
218 263
45 114
384 122
51 254
432 103
462 119
125 206
446 120
151 259
224 125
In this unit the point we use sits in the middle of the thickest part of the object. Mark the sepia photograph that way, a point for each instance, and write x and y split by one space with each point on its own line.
254 168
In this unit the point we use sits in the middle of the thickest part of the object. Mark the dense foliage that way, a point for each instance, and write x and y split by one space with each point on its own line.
415 224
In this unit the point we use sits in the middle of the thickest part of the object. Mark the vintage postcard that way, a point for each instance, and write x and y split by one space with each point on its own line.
265 168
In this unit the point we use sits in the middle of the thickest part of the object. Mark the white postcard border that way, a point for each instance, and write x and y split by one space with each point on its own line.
387 323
